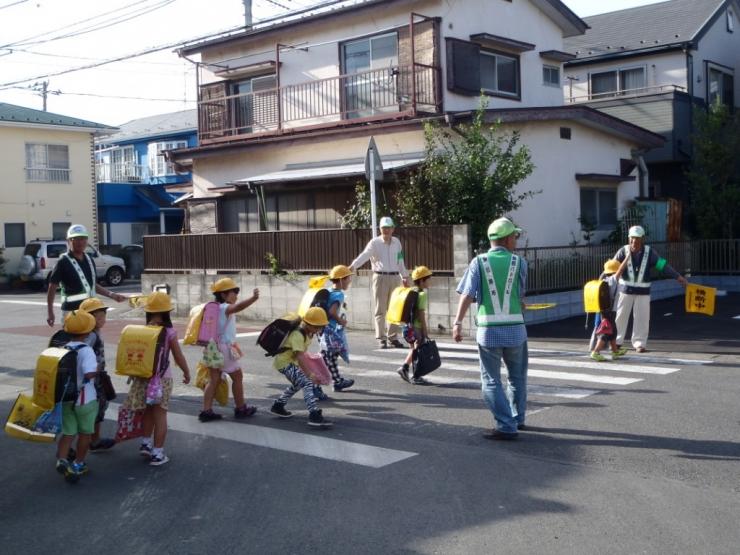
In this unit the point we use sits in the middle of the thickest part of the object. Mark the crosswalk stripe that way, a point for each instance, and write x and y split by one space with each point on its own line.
535 373
532 389
303 443
643 358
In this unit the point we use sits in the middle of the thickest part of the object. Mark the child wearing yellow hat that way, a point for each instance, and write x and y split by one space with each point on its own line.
286 362
157 308
606 330
78 416
417 333
333 339
226 292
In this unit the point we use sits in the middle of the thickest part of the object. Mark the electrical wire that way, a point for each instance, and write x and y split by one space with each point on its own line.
13 4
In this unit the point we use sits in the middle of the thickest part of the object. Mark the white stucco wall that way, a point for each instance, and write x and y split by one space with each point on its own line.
39 205
721 47
550 217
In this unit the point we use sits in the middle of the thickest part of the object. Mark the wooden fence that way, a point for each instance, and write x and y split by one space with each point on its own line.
314 250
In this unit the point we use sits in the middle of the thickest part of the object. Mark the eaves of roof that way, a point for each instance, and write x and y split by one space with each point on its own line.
621 54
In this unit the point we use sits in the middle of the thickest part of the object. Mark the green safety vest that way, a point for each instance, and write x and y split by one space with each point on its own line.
500 302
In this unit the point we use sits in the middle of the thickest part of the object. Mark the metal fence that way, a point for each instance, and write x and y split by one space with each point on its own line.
314 250
566 268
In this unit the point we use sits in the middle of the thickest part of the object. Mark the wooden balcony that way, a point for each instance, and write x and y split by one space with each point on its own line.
395 92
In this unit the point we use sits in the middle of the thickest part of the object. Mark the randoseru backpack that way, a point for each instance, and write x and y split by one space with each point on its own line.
55 377
272 338
596 296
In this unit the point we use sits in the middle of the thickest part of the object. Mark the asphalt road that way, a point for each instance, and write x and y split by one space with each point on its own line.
639 456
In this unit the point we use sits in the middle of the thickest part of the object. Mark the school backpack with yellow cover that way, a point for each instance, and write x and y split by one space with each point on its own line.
402 304
55 377
140 351
202 324
317 295
596 296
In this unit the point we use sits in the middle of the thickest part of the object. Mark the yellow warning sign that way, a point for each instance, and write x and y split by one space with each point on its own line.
700 298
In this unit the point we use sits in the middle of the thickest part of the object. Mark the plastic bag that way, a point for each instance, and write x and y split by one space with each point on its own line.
130 423
212 357
314 367
50 422
154 390
203 376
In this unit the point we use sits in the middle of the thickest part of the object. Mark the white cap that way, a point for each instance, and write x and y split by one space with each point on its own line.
77 230
636 231
386 221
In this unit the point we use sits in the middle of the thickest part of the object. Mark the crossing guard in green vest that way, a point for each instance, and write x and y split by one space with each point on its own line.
496 281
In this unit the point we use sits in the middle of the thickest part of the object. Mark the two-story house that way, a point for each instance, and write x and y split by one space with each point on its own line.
138 188
654 66
48 177
286 110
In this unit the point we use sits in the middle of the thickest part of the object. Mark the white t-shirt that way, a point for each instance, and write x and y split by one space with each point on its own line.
87 363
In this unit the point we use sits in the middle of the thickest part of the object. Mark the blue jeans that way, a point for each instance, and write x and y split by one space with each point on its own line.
508 405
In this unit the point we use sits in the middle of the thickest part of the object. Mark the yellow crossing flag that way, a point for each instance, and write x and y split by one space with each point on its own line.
700 298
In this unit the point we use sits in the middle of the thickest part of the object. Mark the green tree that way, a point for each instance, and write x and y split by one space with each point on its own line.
714 175
469 175
358 214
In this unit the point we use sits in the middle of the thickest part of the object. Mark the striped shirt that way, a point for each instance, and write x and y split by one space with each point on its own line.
494 336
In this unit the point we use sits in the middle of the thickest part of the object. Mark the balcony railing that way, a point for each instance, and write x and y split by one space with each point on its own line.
123 172
627 93
47 175
392 92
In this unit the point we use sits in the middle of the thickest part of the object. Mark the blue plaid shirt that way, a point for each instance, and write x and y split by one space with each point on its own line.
494 336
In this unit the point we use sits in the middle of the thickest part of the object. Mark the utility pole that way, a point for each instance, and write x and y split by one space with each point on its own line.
247 13
42 90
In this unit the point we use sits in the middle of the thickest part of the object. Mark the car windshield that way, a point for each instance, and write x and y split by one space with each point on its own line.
53 251
31 249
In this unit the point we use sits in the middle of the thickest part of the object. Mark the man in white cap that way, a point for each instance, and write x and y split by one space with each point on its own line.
634 287
496 281
75 274
386 259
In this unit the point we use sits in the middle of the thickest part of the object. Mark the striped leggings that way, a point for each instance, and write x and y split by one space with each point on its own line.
298 380
331 358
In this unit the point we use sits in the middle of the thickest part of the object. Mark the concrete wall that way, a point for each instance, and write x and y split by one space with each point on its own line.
39 205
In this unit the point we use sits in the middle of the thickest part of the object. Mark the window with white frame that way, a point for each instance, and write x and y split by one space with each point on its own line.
615 82
551 76
123 165
158 166
499 73
599 207
720 86
47 163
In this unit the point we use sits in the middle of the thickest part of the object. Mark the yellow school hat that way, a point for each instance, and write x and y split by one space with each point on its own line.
611 266
79 322
224 284
92 304
339 271
420 272
159 301
316 316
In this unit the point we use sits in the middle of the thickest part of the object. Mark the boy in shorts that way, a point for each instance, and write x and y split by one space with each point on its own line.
78 417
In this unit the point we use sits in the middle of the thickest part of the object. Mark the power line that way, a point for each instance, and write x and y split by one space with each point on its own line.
13 4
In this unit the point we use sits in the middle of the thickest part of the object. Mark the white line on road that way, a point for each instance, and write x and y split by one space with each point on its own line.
547 374
249 334
305 444
37 303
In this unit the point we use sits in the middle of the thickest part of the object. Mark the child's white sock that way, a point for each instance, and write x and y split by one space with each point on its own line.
147 441
157 451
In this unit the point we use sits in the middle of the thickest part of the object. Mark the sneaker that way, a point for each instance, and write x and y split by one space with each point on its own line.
598 357
145 450
159 460
382 343
279 409
397 344
404 373
618 353
641 350
62 465
102 444
498 435
319 394
81 468
419 381
343 383
208 416
317 420
74 471
244 412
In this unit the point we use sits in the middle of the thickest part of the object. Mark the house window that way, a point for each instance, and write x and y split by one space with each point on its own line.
721 87
47 163
158 166
620 81
256 106
123 165
499 73
565 133
15 235
551 76
59 230
371 69
599 206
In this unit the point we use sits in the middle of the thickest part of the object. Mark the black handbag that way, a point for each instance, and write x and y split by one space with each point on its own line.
426 358
106 386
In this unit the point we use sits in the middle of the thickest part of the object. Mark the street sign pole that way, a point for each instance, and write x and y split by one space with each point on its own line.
373 171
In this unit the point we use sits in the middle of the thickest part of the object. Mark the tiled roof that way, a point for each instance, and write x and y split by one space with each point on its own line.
652 26
21 115
154 126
